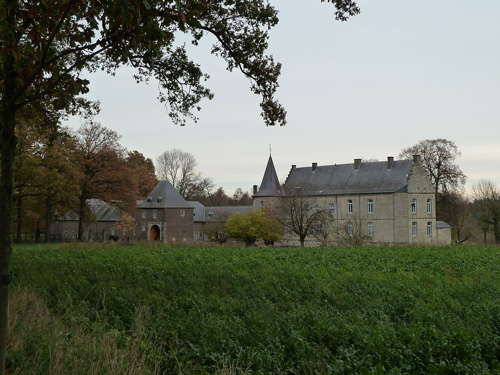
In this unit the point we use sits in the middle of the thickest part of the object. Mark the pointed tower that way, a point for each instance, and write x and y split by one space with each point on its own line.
270 186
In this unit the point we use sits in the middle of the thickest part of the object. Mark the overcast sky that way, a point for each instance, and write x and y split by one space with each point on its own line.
398 73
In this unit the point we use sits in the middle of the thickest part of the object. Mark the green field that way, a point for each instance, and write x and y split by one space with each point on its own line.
370 310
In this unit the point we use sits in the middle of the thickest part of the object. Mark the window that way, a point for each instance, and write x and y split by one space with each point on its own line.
350 229
370 206
429 206
143 227
262 203
159 199
143 214
414 206
429 228
72 234
183 213
112 231
349 206
414 229
331 207
154 214
370 229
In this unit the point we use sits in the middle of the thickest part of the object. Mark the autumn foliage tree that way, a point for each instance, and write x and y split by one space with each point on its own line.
45 177
143 171
103 172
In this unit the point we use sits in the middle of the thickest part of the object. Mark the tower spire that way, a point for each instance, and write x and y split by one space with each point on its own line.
270 185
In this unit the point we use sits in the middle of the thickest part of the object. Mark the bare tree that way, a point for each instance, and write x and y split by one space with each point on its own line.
216 230
456 211
486 197
179 167
325 228
438 157
353 231
240 198
298 212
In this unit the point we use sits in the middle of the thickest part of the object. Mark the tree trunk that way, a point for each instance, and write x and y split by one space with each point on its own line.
496 231
81 213
302 240
48 218
19 230
8 146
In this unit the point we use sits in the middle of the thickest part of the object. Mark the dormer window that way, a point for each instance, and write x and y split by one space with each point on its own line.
159 199
150 199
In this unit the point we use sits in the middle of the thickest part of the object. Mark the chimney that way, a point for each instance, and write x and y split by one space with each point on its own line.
357 163
294 166
314 165
254 189
390 162
416 159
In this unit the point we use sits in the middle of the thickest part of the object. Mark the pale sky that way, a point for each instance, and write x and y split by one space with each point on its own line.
398 73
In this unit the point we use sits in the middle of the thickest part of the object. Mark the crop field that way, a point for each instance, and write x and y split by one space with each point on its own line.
343 310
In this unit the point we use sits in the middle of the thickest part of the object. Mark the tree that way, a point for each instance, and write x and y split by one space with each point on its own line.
352 231
456 211
240 198
486 196
438 157
45 46
299 212
103 171
45 176
179 167
254 224
324 229
143 171
127 223
216 230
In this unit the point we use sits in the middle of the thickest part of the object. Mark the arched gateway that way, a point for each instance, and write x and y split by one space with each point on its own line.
155 233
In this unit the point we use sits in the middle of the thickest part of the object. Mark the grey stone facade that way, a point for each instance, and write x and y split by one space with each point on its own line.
393 202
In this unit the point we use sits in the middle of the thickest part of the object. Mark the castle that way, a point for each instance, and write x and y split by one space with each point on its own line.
390 202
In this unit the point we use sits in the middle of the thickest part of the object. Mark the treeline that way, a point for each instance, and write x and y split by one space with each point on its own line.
59 169
179 167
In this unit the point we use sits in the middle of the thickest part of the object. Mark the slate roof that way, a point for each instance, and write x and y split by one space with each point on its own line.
214 213
370 177
164 195
270 185
202 213
198 211
103 211
442 225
